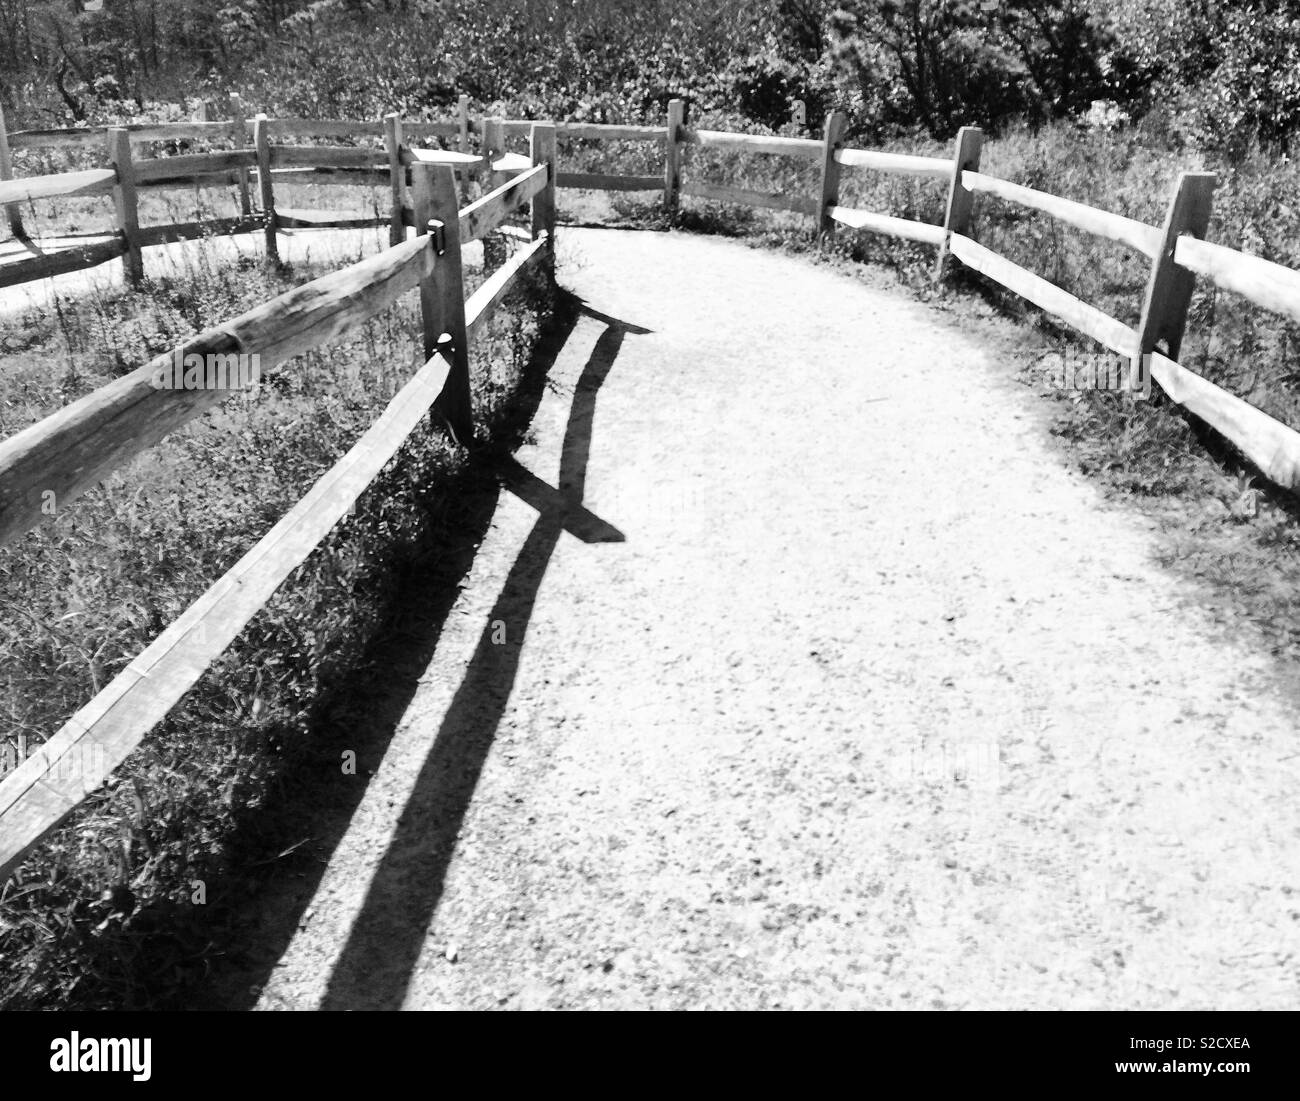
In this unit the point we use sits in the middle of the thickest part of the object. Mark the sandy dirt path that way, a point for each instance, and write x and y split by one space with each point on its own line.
839 690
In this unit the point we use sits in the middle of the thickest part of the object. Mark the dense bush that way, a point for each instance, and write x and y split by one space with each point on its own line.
1254 91
1220 75
940 65
765 84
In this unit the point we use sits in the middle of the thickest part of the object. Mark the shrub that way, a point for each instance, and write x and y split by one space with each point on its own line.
1254 93
943 65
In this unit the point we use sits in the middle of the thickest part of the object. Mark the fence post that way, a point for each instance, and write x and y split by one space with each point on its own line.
396 176
541 150
125 203
442 295
261 139
673 155
832 140
966 158
7 173
462 117
493 134
241 142
1169 287
494 141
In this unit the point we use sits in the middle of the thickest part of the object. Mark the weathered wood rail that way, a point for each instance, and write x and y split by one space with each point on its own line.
81 444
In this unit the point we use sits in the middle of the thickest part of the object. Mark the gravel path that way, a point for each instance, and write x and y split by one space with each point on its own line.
872 704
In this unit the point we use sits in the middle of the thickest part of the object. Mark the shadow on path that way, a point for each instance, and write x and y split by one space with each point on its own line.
375 967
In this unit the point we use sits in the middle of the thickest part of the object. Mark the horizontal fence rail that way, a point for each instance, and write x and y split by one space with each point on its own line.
594 181
92 181
86 441
1103 328
804 148
37 796
1137 235
899 163
1268 443
483 303
61 262
440 156
140 132
72 137
331 156
193 231
326 176
480 218
322 128
1270 285
886 223
437 129
194 164
591 131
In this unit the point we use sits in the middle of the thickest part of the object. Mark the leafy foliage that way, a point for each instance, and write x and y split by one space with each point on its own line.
942 65
1255 90
1220 75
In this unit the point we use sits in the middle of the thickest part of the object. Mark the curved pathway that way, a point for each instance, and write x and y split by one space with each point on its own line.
836 689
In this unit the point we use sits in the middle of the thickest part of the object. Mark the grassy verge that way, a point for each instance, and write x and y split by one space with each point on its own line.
129 903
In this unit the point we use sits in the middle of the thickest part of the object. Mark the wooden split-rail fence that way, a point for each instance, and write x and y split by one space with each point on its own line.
78 446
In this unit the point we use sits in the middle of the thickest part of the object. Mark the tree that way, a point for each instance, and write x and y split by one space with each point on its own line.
943 64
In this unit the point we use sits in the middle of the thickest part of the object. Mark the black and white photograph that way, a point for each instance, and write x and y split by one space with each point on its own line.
651 506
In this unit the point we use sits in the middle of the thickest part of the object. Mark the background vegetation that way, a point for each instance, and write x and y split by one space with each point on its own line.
1220 74
1103 102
